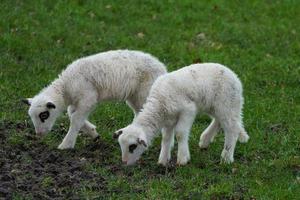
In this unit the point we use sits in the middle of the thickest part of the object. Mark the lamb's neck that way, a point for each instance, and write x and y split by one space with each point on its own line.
151 119
55 91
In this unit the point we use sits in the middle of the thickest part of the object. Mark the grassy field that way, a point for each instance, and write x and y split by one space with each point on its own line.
259 40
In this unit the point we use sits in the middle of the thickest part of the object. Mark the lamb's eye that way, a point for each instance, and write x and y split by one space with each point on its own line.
132 147
44 115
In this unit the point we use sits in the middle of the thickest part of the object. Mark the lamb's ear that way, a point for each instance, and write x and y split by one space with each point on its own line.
50 105
117 134
27 101
142 142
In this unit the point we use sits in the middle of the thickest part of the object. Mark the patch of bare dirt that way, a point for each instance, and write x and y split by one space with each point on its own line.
30 169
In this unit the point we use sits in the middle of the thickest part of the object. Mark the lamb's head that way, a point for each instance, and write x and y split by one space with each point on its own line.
43 113
133 143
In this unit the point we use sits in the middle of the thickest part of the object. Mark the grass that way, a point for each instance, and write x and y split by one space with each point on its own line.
259 40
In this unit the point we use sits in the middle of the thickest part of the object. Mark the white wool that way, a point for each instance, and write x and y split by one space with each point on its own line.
114 75
172 104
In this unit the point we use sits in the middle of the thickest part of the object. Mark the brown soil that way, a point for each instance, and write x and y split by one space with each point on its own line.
30 169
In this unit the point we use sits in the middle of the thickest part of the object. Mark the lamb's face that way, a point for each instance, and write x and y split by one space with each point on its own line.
43 114
133 143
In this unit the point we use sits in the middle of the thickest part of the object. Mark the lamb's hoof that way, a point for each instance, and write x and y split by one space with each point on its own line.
182 161
162 163
243 138
164 160
66 146
91 134
96 139
203 145
226 157
94 135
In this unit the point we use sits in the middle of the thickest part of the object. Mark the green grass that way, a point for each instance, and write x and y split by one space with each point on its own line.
259 40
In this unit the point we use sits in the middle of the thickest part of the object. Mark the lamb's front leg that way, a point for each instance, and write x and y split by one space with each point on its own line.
183 154
88 127
232 130
182 131
77 121
166 146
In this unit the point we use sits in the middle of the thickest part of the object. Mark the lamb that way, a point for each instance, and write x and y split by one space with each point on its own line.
172 104
113 75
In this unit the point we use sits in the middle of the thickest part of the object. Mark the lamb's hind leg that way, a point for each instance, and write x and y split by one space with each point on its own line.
208 135
167 144
88 127
232 129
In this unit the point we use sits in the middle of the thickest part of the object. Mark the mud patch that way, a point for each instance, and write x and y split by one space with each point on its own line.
31 170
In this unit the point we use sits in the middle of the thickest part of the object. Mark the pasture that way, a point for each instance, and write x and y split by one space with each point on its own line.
259 40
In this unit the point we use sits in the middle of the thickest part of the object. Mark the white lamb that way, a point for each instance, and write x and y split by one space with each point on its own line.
113 75
172 104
